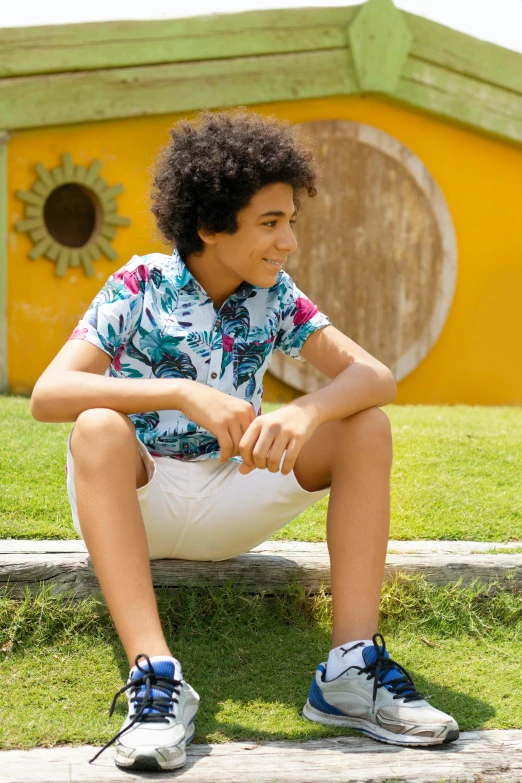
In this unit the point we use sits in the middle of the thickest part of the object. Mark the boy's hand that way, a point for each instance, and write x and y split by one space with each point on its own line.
270 435
226 417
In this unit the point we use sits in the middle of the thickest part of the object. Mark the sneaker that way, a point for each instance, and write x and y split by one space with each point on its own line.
160 723
379 700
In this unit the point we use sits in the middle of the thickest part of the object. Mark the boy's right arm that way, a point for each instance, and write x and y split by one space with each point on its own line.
75 381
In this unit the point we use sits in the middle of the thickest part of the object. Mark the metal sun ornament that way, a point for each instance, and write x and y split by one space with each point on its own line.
106 208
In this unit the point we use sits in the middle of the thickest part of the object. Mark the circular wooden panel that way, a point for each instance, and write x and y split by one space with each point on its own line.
377 249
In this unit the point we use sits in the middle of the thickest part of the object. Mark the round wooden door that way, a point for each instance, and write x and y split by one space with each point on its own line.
376 249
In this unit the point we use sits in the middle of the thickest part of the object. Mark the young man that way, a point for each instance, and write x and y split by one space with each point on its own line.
170 456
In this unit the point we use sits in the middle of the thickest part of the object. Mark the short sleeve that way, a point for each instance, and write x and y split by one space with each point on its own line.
299 319
115 313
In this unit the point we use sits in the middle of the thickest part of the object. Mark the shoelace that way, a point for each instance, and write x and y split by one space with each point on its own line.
402 686
149 678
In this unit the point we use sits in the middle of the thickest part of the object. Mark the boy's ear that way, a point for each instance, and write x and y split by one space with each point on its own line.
208 237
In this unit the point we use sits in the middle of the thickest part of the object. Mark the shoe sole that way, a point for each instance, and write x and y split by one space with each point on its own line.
151 762
371 729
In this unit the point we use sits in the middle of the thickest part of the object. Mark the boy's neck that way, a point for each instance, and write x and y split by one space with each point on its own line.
219 281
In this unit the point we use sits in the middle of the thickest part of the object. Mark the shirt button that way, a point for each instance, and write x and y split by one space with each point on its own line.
213 375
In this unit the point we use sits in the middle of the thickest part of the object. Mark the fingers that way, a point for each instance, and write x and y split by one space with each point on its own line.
246 446
260 451
226 446
292 452
260 448
229 442
275 454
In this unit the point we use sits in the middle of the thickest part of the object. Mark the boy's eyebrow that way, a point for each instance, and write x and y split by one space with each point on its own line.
277 213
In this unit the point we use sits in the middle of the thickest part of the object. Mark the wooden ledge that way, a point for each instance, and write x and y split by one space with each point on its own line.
67 567
487 756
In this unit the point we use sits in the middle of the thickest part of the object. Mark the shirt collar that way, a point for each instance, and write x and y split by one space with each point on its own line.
185 279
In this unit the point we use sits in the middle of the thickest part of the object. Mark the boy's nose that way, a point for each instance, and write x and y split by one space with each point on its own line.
287 242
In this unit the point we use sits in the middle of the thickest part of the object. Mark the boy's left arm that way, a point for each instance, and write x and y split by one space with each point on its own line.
358 381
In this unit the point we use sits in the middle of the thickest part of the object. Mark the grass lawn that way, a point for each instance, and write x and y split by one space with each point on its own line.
457 475
251 659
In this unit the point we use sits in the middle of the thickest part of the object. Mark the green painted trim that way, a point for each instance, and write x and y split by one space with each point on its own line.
37 101
456 97
107 218
480 60
101 45
81 47
380 41
3 261
255 57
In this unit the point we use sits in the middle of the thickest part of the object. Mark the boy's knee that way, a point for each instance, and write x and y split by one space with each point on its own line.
97 426
370 422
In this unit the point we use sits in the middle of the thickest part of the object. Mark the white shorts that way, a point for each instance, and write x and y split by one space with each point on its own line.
207 510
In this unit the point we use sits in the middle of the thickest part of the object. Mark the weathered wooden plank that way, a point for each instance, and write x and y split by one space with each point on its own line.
72 47
269 567
23 546
100 45
461 98
36 101
456 51
489 756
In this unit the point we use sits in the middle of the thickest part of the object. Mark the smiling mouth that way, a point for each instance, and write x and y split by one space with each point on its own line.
275 264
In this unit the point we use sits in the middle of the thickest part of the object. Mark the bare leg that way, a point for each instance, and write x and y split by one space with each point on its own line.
355 456
107 469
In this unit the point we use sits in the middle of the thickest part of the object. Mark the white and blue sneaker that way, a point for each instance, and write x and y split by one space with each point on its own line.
379 700
160 722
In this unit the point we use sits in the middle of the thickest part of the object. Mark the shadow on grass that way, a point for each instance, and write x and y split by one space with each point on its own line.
252 658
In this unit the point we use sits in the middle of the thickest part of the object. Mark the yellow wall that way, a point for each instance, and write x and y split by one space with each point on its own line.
477 359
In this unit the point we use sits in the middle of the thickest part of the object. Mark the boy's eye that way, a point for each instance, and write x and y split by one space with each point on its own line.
273 222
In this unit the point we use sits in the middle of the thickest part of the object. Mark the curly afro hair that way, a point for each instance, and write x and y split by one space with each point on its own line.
213 166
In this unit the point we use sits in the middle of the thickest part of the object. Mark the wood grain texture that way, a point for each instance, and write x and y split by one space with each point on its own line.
268 567
73 47
460 98
119 44
70 546
60 99
377 251
463 79
483 756
456 51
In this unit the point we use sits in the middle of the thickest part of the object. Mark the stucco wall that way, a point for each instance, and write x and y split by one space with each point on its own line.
477 357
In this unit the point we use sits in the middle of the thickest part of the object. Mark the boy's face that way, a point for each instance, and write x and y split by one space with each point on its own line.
264 235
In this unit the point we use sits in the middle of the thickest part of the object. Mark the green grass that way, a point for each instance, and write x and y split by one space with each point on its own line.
456 475
252 659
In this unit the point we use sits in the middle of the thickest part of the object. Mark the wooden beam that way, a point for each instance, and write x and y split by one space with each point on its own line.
111 70
3 262
494 756
460 98
380 42
455 51
66 566
102 45
36 101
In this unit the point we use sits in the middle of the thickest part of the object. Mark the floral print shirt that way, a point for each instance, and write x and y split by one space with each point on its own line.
155 320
